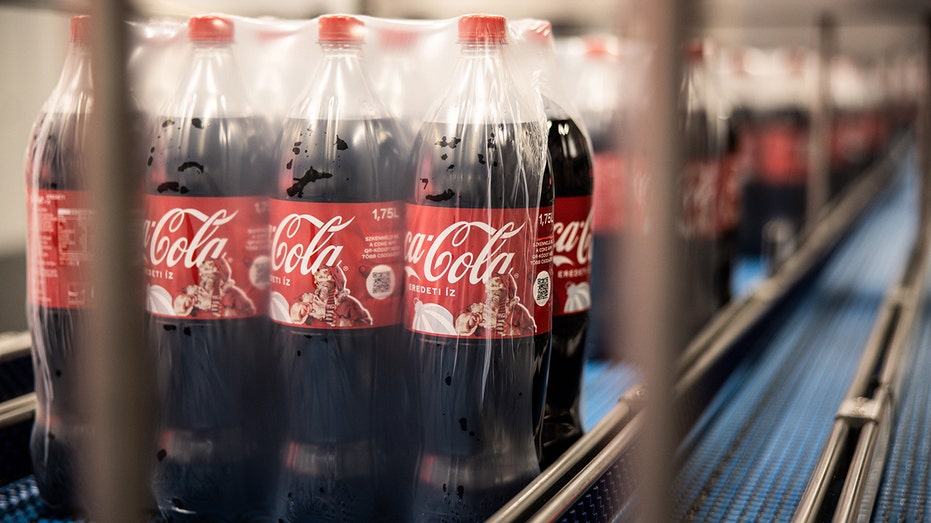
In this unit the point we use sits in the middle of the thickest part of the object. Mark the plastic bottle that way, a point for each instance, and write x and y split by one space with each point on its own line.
699 224
470 292
207 268
774 195
569 159
58 259
337 241
596 89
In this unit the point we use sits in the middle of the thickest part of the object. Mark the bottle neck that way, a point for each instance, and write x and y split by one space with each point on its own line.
479 62
342 62
76 73
474 50
213 86
75 88
481 89
340 87
341 50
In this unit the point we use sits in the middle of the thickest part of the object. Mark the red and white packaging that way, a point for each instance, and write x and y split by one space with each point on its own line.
337 267
206 257
464 267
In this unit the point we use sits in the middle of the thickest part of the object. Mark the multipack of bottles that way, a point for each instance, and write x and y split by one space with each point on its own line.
364 241
378 252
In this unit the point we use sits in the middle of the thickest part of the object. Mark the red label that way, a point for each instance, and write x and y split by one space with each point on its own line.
542 265
59 249
699 192
572 254
610 193
336 265
206 257
470 272
782 154
729 192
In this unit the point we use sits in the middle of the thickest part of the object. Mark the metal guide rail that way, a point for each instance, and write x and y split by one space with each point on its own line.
905 487
844 483
790 324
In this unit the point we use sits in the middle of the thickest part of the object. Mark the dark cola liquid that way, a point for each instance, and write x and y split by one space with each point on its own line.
571 166
344 458
478 399
60 435
704 263
730 193
217 437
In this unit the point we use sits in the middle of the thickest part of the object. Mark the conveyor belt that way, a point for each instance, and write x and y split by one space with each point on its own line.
604 382
750 456
905 492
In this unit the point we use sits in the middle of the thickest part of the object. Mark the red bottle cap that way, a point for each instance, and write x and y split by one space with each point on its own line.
340 28
80 28
482 29
539 32
210 28
695 50
598 46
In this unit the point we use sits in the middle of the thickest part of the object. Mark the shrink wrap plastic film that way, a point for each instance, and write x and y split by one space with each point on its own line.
349 277
58 257
570 162
352 247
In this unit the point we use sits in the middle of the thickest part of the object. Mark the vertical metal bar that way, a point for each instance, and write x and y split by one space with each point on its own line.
119 390
650 287
822 116
923 132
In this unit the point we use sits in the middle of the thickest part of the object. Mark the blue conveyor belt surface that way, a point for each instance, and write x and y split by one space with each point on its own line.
750 457
603 384
905 493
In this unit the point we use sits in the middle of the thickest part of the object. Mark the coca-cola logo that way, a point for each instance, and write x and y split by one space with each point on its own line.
471 249
292 250
573 236
168 240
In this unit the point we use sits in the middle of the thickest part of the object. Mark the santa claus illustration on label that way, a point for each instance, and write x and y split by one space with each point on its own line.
501 313
330 304
215 295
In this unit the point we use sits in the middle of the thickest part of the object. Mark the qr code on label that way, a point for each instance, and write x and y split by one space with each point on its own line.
380 282
542 288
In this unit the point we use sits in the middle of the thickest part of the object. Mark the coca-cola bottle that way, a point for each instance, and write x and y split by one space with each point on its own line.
473 283
775 193
698 222
58 257
596 90
207 271
569 160
729 212
337 225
